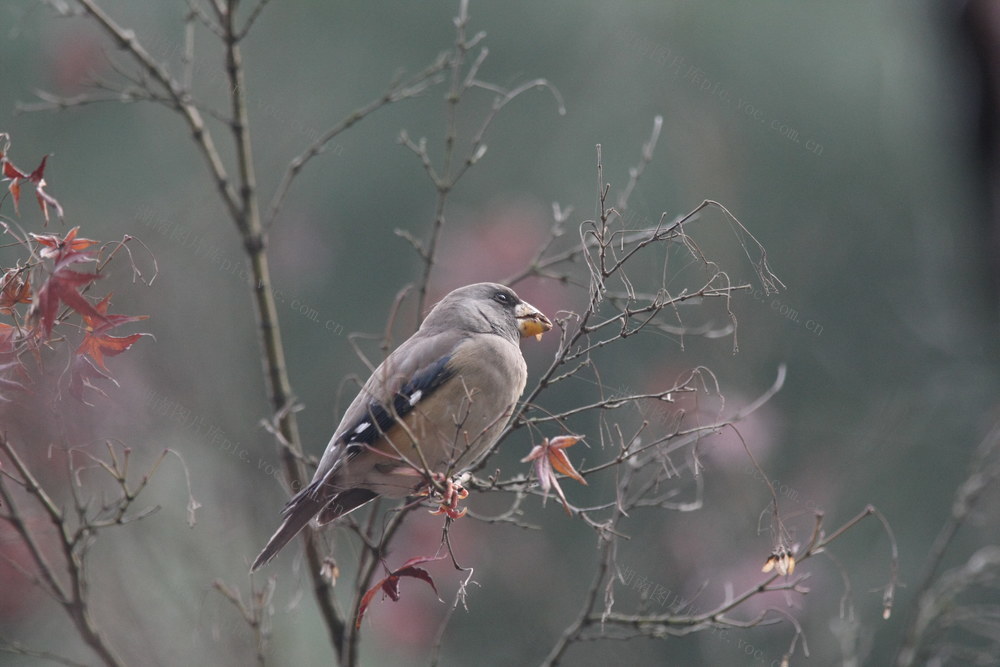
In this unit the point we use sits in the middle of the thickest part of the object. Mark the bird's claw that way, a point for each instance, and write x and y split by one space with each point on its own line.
449 498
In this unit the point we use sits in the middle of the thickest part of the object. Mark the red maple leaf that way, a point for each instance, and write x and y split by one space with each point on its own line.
98 343
390 584
62 287
15 175
60 248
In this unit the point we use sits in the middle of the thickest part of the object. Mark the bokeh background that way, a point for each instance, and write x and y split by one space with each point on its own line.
848 137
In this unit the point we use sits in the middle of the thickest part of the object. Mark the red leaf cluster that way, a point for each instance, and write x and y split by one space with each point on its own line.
390 584
51 281
64 284
16 177
64 288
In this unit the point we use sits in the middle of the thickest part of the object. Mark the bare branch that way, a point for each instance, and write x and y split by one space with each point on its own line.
397 91
256 614
18 648
937 596
453 167
127 41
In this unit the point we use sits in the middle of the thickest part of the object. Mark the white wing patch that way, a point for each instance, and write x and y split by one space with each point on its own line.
379 419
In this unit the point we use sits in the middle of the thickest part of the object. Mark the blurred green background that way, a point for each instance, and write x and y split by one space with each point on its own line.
843 135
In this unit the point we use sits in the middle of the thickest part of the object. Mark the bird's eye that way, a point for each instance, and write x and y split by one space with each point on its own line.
502 297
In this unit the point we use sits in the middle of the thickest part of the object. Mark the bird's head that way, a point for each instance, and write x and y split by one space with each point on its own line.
488 307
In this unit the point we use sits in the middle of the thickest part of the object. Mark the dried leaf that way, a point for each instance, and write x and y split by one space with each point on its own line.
15 288
549 458
62 247
39 173
97 343
390 584
782 560
562 465
96 346
62 287
10 171
37 177
45 200
15 193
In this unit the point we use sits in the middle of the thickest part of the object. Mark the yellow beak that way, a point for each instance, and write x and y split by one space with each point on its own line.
531 321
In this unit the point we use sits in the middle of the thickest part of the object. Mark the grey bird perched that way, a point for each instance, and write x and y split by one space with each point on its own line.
435 405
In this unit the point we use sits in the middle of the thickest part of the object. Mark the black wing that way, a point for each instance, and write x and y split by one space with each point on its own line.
380 418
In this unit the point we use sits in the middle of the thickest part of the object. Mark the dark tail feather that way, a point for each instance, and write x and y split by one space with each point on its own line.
302 508
299 511
344 502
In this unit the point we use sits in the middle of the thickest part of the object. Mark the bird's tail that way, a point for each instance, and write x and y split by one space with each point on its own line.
302 508
298 512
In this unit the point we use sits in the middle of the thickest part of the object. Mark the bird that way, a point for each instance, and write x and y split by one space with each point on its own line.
434 406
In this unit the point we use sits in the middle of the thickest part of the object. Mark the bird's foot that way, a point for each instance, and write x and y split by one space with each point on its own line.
449 497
